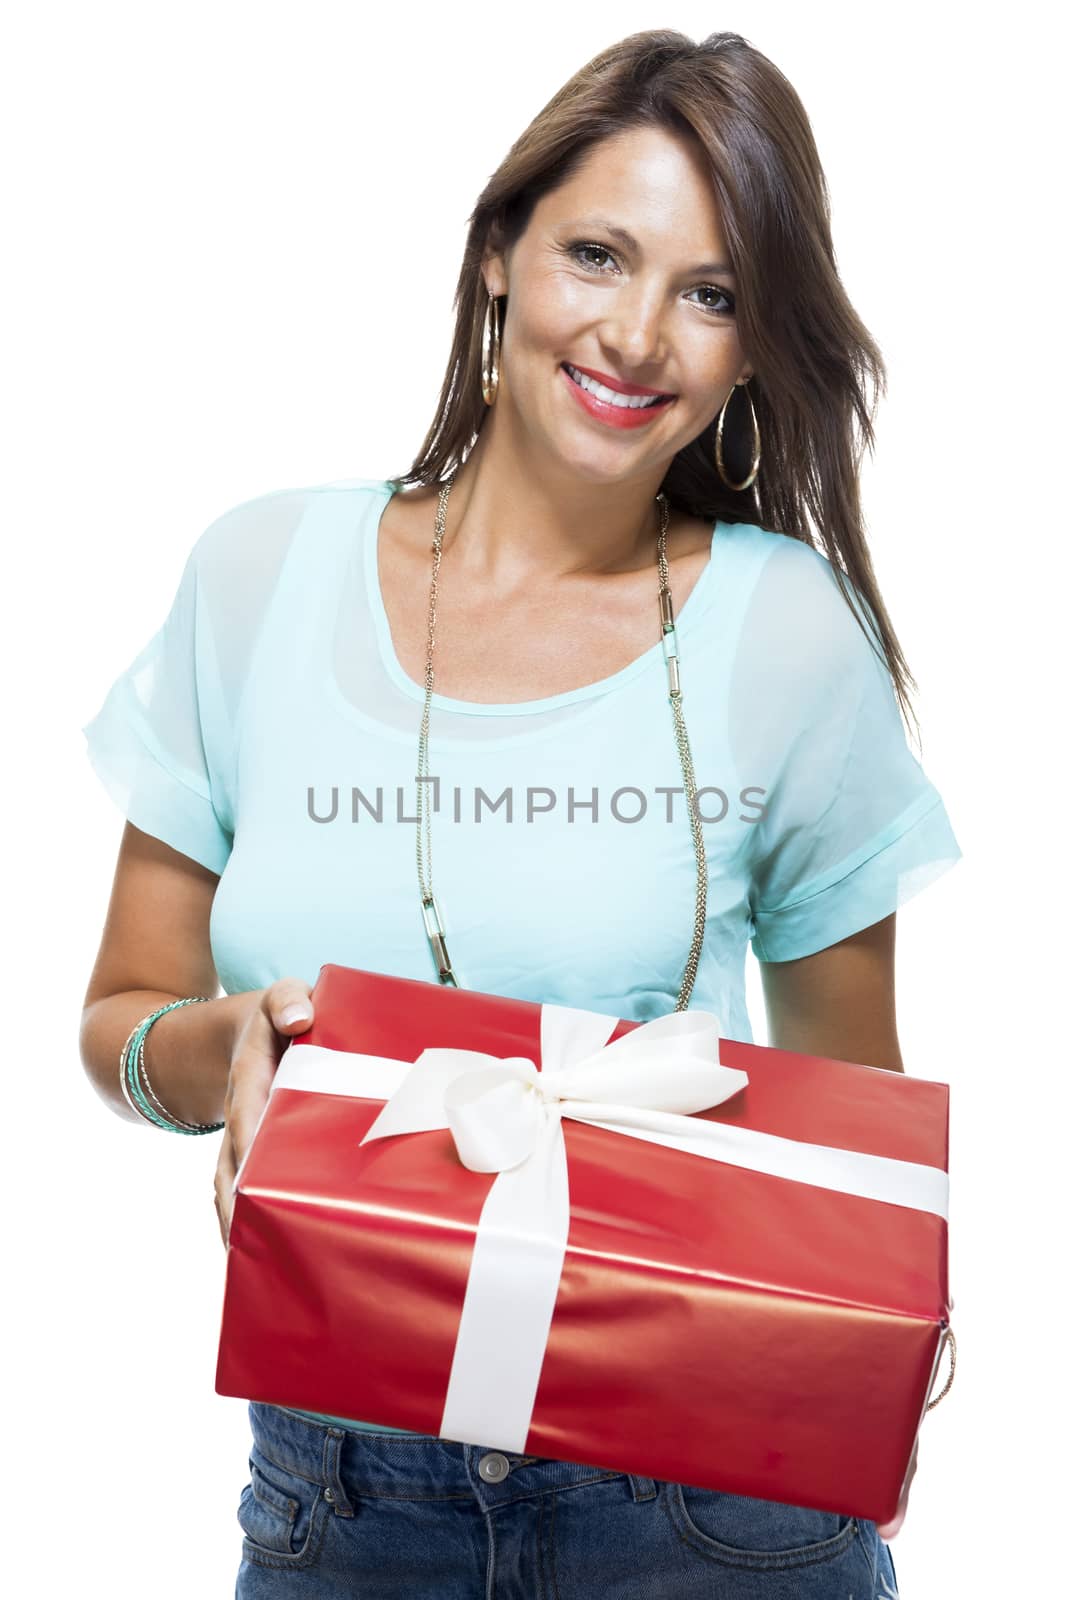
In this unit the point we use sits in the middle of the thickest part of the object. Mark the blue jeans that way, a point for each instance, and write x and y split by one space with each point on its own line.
332 1512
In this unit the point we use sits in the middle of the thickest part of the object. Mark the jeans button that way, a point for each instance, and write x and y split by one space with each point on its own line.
494 1467
327 1494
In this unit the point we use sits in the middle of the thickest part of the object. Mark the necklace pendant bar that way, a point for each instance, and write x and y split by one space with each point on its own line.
431 917
436 935
444 963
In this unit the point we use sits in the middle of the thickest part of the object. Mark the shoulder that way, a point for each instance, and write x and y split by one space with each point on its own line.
810 606
789 555
260 529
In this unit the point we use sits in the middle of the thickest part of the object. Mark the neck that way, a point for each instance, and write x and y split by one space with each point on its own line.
511 528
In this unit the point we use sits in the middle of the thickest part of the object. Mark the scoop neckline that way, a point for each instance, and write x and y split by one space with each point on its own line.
694 603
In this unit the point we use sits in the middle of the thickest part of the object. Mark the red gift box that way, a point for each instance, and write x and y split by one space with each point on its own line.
757 1306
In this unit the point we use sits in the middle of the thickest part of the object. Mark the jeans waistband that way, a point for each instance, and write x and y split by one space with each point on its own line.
360 1463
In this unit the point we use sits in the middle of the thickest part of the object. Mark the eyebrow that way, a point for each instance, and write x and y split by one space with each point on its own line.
627 240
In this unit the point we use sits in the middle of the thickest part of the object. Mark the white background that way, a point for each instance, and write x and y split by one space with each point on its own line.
233 234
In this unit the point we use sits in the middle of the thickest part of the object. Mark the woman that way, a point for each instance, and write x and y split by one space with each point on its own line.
659 239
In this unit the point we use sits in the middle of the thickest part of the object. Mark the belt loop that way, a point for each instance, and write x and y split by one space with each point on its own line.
642 1488
331 1471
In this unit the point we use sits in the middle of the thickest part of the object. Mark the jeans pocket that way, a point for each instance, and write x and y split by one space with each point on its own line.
765 1535
283 1516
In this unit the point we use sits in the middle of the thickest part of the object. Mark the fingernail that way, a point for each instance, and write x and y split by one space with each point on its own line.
294 1013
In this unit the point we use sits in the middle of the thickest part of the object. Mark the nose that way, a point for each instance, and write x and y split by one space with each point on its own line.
632 336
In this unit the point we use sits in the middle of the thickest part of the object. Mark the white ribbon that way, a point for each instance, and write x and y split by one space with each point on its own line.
506 1117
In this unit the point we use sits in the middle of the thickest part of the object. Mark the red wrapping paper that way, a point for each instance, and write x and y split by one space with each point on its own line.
713 1326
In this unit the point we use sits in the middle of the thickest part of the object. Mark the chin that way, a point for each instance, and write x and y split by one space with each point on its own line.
613 462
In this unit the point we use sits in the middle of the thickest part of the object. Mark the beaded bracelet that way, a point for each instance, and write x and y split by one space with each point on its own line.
134 1078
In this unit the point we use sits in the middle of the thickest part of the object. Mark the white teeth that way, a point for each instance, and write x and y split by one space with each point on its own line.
611 396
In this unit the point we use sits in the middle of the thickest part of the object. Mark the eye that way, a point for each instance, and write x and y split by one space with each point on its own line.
723 294
576 252
726 309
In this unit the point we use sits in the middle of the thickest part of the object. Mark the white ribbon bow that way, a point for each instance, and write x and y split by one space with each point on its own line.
506 1116
502 1111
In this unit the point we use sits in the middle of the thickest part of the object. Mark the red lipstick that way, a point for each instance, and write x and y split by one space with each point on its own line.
613 383
616 416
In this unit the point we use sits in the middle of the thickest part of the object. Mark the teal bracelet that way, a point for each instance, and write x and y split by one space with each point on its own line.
133 1077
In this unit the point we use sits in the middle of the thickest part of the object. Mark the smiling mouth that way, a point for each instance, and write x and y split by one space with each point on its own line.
611 397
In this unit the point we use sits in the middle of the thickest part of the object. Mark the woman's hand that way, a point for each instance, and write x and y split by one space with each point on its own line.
261 1035
888 1530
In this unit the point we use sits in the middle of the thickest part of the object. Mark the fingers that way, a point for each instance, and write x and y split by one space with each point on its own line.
251 1074
288 1004
224 1175
284 1009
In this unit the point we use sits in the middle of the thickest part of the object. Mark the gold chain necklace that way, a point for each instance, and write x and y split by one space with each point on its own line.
430 913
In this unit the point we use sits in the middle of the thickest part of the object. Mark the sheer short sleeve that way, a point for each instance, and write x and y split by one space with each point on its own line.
147 741
851 826
163 742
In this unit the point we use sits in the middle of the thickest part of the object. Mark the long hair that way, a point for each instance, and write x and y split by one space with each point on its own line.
813 357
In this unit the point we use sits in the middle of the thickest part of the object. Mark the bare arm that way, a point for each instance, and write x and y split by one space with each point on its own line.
155 948
839 1002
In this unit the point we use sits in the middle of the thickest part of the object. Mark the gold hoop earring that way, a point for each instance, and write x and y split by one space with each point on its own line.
718 442
490 351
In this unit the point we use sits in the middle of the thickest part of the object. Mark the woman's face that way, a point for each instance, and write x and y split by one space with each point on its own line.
656 310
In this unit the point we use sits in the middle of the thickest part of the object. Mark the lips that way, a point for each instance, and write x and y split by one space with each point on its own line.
614 383
617 417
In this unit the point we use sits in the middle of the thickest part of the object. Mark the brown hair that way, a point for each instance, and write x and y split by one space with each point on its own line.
813 357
